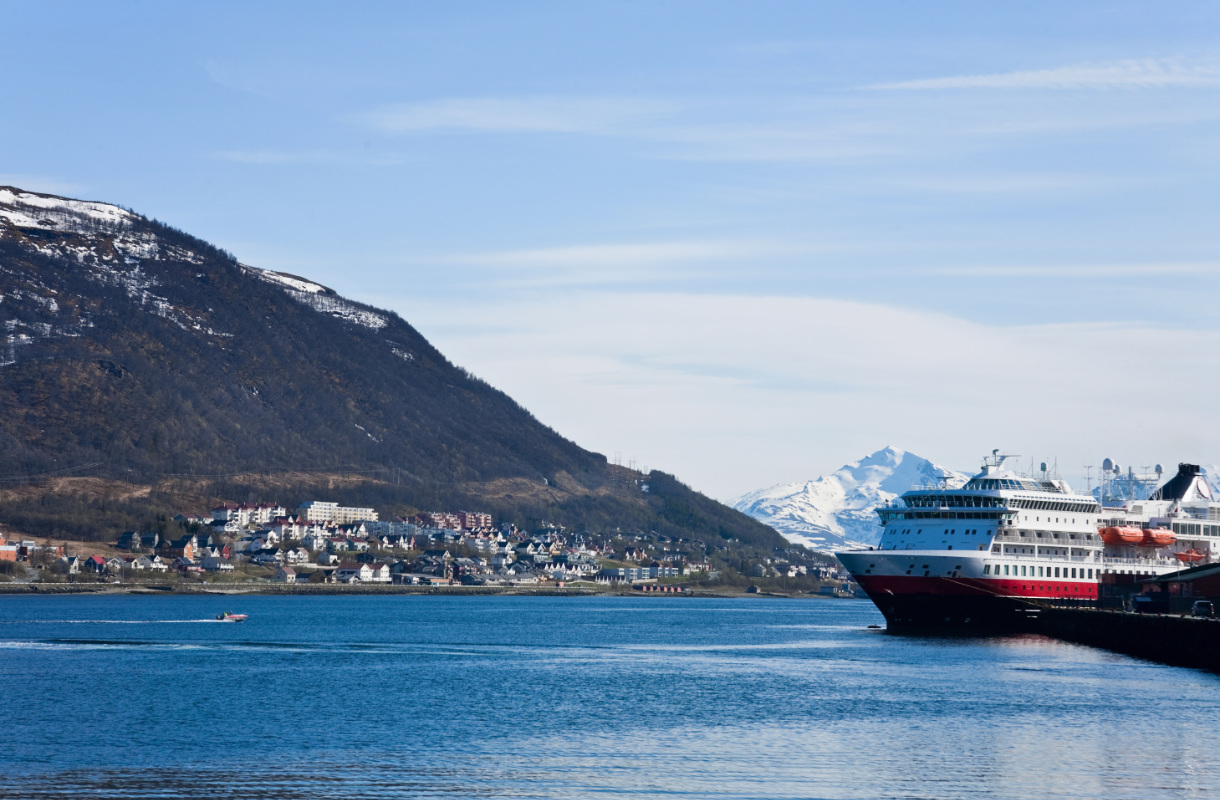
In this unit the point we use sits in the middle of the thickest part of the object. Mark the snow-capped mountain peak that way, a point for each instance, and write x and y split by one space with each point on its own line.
839 509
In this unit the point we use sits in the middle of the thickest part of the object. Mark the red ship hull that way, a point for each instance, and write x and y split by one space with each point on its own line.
915 602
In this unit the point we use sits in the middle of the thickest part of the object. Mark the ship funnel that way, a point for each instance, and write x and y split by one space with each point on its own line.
1179 485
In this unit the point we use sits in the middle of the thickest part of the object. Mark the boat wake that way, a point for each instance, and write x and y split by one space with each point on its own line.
104 621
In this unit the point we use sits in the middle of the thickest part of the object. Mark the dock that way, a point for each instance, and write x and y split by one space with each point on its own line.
1182 641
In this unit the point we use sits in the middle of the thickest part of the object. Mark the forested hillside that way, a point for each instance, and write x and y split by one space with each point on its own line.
141 355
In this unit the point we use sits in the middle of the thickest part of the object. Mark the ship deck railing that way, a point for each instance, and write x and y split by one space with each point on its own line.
1148 562
1096 559
1046 556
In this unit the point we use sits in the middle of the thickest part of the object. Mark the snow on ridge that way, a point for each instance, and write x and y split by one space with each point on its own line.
291 281
98 212
338 307
838 509
320 298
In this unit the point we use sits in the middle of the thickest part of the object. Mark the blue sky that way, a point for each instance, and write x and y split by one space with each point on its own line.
743 242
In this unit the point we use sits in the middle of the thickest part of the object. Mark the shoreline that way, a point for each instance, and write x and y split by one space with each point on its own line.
306 590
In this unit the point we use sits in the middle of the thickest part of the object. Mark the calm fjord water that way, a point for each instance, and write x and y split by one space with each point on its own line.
524 697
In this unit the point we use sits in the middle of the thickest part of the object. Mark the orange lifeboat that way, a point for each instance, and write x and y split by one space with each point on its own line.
1190 556
1122 535
1158 537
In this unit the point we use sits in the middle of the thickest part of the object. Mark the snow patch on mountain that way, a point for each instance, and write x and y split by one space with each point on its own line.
838 510
33 210
319 298
337 307
291 281
99 237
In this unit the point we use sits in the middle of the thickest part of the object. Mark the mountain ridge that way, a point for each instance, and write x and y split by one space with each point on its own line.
135 351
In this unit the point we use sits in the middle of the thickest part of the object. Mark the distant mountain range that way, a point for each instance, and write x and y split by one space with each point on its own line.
838 510
135 353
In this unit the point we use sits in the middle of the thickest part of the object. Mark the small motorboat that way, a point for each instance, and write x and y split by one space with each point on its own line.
229 616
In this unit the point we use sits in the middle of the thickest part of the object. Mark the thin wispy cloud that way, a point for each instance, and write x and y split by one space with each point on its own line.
615 264
517 114
772 140
278 157
998 184
1130 74
651 253
836 128
1084 270
676 130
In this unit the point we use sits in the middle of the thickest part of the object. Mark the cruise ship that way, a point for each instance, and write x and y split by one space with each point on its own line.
996 550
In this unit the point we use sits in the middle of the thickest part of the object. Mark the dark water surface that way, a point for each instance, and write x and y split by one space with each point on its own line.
529 697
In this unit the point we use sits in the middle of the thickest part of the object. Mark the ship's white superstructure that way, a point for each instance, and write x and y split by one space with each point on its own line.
1005 542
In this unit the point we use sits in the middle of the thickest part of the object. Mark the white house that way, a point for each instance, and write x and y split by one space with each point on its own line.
216 564
355 573
314 541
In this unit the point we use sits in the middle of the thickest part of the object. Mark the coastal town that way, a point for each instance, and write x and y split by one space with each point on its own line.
322 542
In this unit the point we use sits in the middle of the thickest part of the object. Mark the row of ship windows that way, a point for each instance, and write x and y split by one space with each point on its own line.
987 570
1088 537
991 484
941 501
1044 505
1196 529
1066 521
1045 551
910 514
972 532
950 501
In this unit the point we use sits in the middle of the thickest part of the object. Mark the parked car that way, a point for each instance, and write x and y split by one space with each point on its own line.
1203 608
